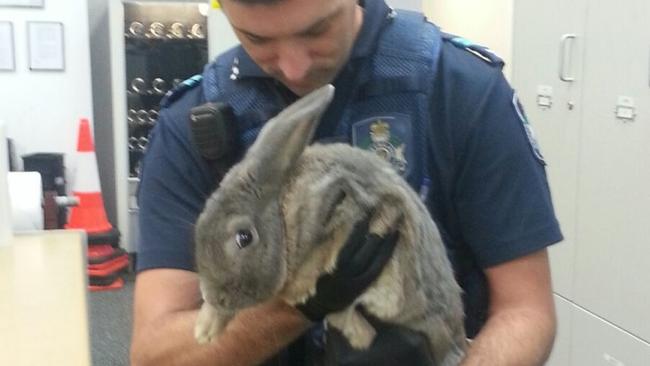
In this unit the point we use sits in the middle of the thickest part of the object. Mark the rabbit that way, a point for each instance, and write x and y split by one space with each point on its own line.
280 216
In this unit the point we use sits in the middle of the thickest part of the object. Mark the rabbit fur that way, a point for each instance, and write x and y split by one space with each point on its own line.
298 204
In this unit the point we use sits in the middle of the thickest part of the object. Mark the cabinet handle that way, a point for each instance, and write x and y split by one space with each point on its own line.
565 43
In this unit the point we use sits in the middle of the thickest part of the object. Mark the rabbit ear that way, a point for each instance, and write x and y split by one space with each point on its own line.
283 138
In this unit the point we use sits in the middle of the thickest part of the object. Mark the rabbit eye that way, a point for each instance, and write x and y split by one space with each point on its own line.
243 238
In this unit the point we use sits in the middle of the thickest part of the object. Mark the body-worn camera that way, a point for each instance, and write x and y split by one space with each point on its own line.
215 135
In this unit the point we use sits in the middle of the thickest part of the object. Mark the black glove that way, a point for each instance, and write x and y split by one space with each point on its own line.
393 345
359 263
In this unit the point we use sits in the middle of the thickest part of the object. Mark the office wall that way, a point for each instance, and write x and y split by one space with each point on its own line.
406 4
485 22
42 108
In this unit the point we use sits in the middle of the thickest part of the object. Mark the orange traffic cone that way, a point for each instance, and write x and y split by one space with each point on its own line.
89 215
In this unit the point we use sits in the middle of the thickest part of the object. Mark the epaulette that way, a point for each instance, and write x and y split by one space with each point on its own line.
180 89
477 50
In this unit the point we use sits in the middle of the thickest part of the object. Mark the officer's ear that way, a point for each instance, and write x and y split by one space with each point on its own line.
283 138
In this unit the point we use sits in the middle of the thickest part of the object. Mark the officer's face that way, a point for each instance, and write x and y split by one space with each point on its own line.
302 43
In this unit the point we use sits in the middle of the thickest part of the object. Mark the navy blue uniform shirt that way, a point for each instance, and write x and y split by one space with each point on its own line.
486 183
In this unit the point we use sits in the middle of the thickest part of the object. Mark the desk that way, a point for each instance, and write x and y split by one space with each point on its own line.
43 300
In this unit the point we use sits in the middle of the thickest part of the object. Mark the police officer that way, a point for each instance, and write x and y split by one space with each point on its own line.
436 106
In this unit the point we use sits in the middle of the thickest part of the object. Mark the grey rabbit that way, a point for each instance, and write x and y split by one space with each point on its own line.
281 215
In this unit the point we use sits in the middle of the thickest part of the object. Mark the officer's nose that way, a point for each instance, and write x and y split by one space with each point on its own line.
294 62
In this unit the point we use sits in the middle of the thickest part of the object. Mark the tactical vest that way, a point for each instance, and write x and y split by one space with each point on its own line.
392 85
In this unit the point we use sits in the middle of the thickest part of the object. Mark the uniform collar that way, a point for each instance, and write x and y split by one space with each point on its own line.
376 12
246 66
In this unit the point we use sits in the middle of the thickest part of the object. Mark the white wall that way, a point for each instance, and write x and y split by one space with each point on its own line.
42 108
221 37
484 22
406 4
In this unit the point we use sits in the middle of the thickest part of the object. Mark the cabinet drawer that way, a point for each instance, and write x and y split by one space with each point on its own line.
561 355
596 342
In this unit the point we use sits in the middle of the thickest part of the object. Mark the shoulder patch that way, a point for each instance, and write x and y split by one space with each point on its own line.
180 89
532 139
477 50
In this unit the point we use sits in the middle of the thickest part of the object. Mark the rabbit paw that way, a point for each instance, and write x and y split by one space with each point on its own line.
361 338
358 331
208 324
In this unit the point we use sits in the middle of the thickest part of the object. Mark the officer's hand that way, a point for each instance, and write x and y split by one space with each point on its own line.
359 263
393 345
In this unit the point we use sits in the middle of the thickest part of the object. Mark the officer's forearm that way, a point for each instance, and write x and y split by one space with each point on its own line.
252 337
521 337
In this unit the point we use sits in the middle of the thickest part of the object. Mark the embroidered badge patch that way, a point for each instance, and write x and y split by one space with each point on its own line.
519 109
387 136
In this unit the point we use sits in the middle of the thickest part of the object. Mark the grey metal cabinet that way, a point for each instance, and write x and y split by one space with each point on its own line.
584 339
596 341
612 267
548 42
561 355
582 70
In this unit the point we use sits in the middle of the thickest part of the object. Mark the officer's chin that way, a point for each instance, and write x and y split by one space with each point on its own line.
300 90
